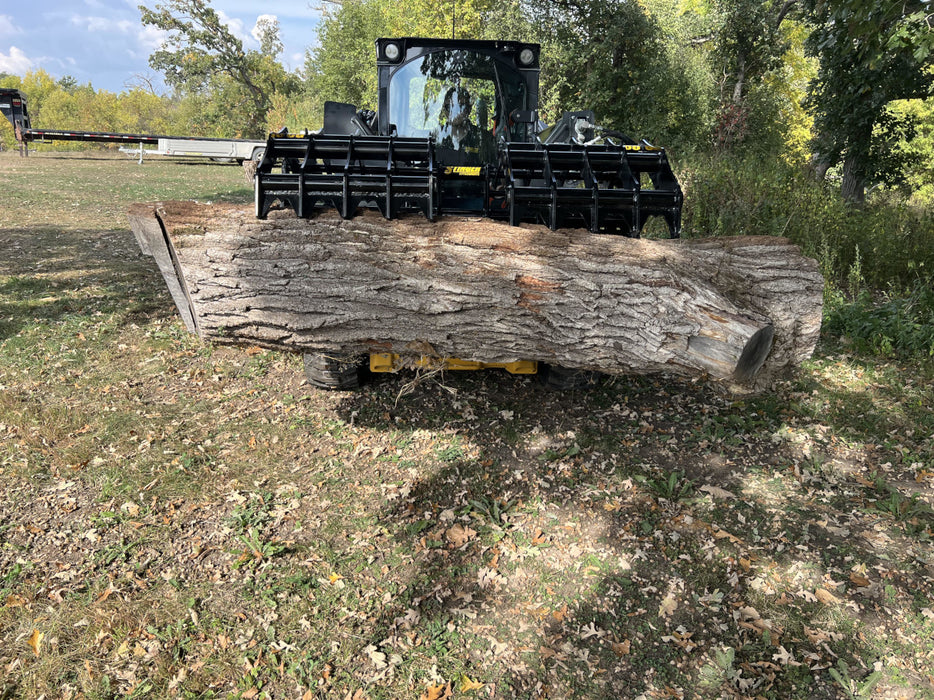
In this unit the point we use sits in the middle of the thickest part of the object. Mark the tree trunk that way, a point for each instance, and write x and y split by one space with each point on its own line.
738 310
853 187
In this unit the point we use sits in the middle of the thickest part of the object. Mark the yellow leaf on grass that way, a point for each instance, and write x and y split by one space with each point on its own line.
668 606
826 597
437 692
35 642
468 684
724 535
559 615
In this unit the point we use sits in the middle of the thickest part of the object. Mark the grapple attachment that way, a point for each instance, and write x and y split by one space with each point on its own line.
605 188
391 173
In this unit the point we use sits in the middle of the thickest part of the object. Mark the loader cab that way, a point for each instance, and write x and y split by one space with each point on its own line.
466 95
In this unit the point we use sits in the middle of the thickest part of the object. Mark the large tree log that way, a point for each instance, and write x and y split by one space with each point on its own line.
739 310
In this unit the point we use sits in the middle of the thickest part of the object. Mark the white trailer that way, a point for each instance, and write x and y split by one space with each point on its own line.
237 150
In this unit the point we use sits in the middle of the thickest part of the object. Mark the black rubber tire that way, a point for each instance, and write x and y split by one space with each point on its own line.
559 378
334 371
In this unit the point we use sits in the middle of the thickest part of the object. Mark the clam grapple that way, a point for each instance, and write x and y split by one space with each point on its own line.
457 132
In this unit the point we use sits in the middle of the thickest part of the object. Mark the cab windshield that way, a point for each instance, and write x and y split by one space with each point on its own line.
461 99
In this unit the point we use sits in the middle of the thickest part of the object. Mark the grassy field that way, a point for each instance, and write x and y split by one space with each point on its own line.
195 521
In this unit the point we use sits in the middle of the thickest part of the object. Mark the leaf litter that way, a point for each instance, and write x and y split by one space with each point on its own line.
181 520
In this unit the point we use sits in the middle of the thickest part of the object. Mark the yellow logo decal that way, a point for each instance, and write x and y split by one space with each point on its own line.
464 170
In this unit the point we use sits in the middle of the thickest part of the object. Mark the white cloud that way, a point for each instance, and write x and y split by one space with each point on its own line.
260 21
8 27
151 38
297 9
235 25
15 62
103 24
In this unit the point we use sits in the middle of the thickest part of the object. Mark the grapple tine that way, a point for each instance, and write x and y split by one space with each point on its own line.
595 186
320 171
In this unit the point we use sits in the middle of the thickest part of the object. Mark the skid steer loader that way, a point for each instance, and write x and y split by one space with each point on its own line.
457 132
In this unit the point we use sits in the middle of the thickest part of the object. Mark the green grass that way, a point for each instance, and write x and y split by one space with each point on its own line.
186 520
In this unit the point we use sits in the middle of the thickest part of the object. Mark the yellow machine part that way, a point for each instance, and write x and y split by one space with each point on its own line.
390 362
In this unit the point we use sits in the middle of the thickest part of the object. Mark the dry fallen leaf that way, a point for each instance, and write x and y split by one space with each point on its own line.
468 684
458 535
377 657
816 636
668 606
722 534
35 642
826 597
621 648
130 508
785 657
437 692
716 491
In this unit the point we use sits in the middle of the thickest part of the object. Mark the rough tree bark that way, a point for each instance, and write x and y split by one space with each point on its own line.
737 310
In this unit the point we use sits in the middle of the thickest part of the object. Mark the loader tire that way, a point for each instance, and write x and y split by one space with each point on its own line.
559 378
334 371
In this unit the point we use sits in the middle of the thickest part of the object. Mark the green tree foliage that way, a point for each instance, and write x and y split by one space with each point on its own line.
750 44
64 104
870 54
919 151
631 62
203 59
608 55
342 67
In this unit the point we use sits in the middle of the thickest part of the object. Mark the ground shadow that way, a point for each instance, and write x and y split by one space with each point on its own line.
54 274
672 588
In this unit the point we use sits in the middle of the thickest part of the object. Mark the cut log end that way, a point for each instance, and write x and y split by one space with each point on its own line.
754 355
737 310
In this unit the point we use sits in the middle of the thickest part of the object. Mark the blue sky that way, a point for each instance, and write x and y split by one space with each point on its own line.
103 41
